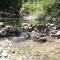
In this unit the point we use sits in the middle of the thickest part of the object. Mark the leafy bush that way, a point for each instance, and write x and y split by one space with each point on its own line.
41 7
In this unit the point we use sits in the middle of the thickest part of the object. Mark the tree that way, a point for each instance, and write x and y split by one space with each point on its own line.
5 4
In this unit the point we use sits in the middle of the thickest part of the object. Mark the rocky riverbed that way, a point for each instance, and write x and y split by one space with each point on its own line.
30 43
29 50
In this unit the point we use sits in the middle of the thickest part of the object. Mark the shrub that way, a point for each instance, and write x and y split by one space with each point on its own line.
41 7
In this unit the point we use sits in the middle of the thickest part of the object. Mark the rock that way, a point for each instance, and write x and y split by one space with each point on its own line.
4 32
58 33
10 31
54 28
1 23
24 24
13 51
27 36
43 39
5 53
52 25
26 27
39 37
35 35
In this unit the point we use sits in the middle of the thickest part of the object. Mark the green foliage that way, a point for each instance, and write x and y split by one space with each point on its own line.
32 7
53 8
41 7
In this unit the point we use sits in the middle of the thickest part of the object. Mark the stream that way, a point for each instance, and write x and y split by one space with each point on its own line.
16 48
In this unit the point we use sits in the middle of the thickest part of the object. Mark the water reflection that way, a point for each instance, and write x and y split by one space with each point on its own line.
16 21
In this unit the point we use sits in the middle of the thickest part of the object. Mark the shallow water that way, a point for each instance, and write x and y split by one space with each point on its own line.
17 21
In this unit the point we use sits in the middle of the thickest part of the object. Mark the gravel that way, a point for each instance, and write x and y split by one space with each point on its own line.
29 50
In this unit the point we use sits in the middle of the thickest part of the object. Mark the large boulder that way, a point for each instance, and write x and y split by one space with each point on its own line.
4 31
56 34
9 31
26 26
40 38
2 25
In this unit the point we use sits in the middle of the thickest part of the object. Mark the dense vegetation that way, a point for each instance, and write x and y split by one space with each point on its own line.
10 5
41 7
